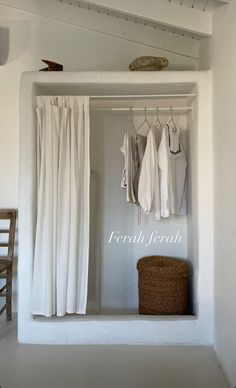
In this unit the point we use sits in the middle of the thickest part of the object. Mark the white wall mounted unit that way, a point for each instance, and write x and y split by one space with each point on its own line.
132 329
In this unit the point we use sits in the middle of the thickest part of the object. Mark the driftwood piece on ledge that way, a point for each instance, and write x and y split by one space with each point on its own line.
52 66
149 64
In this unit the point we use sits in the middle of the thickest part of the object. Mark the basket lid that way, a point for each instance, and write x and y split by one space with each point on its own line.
164 265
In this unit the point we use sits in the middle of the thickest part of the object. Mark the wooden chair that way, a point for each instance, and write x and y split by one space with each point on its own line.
6 262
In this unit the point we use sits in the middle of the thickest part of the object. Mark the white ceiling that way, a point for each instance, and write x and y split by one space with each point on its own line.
191 18
94 8
201 5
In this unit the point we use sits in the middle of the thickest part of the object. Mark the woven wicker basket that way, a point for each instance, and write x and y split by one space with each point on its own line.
163 286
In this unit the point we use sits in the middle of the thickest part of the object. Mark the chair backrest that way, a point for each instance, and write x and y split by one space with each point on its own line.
8 214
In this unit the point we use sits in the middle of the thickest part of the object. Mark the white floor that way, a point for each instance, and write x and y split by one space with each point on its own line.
38 366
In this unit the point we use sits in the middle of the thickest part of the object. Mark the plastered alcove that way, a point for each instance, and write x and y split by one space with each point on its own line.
128 329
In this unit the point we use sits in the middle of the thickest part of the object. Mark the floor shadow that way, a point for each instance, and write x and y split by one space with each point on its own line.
8 328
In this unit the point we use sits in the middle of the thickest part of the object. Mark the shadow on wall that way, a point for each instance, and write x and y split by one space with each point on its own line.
14 39
4 45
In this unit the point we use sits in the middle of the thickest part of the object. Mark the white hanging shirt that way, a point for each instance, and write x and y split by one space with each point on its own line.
148 190
172 165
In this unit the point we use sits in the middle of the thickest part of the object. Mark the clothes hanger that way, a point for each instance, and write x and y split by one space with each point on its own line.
144 121
130 121
172 119
158 119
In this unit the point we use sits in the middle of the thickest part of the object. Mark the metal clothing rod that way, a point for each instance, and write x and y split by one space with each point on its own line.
145 96
177 109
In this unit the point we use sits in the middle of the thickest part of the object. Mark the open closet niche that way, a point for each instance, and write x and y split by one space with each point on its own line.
113 278
121 233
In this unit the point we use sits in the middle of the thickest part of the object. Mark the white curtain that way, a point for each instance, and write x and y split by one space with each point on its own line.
60 272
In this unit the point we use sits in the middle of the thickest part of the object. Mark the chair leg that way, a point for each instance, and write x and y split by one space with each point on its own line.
9 295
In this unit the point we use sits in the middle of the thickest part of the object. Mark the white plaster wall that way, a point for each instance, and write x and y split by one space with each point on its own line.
220 54
32 37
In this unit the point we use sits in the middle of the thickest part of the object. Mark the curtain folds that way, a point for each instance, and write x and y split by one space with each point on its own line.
60 273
